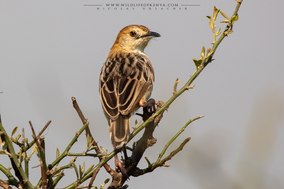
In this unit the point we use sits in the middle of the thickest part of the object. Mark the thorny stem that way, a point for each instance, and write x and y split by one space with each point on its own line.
12 179
198 70
170 142
14 158
85 154
65 153
98 166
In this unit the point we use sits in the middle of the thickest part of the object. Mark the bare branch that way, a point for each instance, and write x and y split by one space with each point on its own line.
44 128
4 185
88 134
93 177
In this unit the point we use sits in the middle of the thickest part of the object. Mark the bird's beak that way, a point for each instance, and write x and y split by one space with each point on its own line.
151 34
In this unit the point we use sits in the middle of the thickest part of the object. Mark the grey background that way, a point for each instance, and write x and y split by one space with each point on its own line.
53 50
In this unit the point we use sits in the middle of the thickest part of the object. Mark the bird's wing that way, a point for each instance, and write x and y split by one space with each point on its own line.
124 81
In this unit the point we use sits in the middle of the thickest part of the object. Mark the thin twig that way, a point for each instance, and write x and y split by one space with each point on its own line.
88 133
4 185
40 133
14 160
85 154
43 171
65 153
34 135
173 153
23 136
41 156
101 163
58 178
25 153
174 137
81 187
175 86
93 177
150 168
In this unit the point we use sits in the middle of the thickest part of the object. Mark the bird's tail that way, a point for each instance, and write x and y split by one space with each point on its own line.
120 130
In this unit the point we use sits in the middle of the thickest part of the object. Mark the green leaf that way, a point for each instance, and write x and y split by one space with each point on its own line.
2 143
80 171
89 170
202 53
149 163
2 152
73 160
18 137
228 32
105 151
211 24
225 21
76 170
208 50
57 153
223 14
83 168
209 18
102 186
93 148
14 131
234 18
6 152
89 141
107 180
34 149
215 13
218 32
197 62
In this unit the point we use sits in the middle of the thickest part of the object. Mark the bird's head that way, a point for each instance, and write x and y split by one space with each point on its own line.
134 38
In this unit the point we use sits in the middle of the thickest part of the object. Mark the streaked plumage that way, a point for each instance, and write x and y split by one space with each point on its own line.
126 80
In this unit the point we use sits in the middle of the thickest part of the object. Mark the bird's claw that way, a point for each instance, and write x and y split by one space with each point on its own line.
119 166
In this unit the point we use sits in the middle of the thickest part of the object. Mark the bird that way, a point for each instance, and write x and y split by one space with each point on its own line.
126 82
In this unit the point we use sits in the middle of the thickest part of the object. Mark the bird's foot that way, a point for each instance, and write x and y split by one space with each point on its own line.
119 165
149 104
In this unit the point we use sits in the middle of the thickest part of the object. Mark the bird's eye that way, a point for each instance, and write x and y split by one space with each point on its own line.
132 33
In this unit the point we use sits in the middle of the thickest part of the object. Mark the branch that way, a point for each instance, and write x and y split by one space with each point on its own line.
12 180
170 142
90 137
150 168
160 162
8 147
4 185
65 153
98 166
147 140
58 178
93 177
173 153
103 158
25 154
41 156
85 154
142 144
29 145
200 65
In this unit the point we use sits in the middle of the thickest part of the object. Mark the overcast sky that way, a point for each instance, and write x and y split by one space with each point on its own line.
53 50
